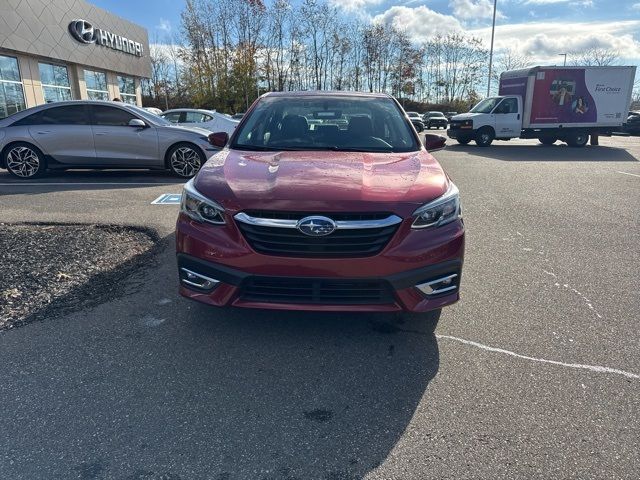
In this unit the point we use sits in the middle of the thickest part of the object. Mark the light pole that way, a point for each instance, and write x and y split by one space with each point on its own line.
565 58
493 31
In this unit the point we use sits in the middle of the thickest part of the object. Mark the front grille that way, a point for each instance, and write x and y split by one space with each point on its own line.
315 291
342 243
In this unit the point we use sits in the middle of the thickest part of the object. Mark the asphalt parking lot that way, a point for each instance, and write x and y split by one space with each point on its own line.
535 373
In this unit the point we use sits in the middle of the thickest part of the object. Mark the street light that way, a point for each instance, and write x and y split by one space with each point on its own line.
493 30
565 58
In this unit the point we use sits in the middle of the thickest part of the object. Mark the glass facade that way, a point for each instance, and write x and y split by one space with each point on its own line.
11 91
96 85
55 82
127 87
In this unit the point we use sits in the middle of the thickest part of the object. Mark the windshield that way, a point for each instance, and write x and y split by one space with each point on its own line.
325 122
151 117
435 114
486 105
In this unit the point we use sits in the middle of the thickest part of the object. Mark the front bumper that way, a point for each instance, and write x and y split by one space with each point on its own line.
412 257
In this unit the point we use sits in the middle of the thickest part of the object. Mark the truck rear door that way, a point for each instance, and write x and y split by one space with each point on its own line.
508 118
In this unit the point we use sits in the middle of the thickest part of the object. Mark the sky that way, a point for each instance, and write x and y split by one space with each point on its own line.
540 29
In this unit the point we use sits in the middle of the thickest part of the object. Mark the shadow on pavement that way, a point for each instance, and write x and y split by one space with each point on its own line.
154 386
552 153
73 180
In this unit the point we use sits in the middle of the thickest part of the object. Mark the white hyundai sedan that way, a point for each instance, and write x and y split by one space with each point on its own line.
207 119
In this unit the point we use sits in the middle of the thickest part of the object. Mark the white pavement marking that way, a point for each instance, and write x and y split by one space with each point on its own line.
627 173
568 287
593 368
168 199
36 184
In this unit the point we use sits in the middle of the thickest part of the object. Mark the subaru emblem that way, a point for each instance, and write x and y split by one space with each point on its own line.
316 226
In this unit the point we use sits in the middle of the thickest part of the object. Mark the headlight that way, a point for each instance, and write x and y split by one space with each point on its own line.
440 211
199 207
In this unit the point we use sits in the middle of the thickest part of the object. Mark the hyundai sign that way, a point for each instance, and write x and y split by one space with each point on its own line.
85 32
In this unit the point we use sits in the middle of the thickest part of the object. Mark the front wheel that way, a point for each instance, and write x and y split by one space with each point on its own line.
547 140
484 137
463 140
184 160
24 161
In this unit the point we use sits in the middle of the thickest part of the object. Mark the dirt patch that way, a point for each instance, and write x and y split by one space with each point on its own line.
49 269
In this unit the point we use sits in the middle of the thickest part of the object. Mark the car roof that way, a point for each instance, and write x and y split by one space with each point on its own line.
326 93
196 110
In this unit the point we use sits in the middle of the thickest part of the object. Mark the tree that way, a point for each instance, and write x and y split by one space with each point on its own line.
595 56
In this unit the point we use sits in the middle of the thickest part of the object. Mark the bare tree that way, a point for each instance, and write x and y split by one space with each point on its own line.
595 56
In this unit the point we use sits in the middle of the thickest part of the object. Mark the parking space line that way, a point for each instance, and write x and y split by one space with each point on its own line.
627 173
593 368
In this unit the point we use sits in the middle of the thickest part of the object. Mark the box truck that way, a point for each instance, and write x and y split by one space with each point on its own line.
550 104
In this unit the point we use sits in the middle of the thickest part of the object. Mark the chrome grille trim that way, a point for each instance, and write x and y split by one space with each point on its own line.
340 224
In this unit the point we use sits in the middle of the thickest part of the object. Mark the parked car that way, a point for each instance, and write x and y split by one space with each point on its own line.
207 119
435 119
94 134
450 114
416 119
632 127
154 110
237 116
285 217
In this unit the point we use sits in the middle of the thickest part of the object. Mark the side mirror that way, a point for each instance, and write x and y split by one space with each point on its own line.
433 142
218 139
136 122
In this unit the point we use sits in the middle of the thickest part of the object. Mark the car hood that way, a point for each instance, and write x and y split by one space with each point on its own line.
466 116
198 130
305 180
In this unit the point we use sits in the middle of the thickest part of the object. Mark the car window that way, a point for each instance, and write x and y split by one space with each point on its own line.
173 117
111 116
194 117
33 119
325 122
207 118
64 115
508 105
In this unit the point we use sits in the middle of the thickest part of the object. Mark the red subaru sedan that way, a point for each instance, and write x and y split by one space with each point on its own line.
321 201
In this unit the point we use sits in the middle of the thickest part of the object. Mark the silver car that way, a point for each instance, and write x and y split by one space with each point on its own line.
207 119
91 134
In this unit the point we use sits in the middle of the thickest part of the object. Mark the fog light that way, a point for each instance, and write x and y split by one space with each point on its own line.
439 285
197 280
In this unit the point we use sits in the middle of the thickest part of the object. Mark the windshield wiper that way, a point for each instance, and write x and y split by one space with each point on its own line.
256 148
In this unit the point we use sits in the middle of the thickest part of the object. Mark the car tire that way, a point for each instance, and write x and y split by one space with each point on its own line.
484 137
24 161
547 140
577 139
184 160
463 140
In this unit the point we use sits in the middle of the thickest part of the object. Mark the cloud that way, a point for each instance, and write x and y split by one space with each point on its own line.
635 6
354 5
473 9
581 3
164 25
543 41
422 22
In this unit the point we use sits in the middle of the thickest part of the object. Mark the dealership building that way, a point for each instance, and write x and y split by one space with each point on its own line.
63 50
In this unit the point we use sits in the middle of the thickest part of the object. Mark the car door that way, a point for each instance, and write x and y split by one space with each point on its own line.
508 120
64 133
121 145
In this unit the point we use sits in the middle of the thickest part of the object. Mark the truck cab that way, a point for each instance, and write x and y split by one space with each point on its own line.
493 118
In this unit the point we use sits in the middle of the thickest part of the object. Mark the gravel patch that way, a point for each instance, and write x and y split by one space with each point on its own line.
50 269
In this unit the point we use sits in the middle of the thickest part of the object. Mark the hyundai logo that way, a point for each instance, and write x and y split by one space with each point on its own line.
82 31
316 226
